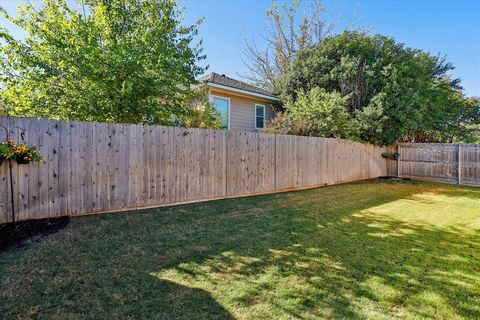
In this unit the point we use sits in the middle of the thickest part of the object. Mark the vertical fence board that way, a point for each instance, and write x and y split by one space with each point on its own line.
165 164
4 186
23 209
233 160
89 167
5 213
43 144
53 181
15 136
286 162
63 164
266 163
21 177
180 186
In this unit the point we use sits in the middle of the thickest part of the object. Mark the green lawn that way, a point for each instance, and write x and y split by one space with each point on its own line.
378 249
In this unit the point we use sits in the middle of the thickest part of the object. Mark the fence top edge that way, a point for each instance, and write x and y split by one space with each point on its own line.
147 126
451 145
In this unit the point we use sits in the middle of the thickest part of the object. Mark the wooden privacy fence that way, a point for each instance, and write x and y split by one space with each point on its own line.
453 163
98 167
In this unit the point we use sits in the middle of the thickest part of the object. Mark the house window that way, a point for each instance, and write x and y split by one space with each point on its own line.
259 116
222 106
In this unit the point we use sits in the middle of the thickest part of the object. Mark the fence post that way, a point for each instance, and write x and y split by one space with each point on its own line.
398 161
274 161
459 164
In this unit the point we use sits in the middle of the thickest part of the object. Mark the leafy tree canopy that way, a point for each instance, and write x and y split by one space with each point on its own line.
392 92
104 60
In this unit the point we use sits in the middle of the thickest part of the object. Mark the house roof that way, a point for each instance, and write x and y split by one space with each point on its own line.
222 80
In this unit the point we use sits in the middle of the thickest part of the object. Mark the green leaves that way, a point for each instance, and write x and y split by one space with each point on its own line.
325 113
391 92
116 61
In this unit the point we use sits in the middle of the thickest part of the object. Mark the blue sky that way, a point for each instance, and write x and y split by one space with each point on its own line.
451 28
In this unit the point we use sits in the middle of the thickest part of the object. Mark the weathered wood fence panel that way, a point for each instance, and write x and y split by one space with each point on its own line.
452 163
98 167
470 164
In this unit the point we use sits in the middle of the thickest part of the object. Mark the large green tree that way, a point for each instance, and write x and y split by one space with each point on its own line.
102 60
394 92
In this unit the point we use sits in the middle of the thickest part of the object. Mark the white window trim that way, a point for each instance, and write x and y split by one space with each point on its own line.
255 118
211 97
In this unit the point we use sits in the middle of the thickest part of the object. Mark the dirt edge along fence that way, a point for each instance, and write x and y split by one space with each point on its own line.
91 168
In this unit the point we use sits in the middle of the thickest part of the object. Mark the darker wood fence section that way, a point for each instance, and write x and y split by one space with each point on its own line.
452 163
97 167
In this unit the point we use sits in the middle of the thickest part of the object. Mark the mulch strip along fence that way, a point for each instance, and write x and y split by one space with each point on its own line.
17 234
98 167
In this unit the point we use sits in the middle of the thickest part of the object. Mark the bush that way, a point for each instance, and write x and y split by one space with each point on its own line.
284 124
315 113
201 113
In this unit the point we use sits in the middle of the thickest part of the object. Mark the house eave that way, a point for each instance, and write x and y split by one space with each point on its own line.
244 92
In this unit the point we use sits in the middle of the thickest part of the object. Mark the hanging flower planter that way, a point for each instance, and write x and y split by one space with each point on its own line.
23 154
21 160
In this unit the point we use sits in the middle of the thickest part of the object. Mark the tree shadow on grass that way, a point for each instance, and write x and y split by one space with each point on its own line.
328 252
181 302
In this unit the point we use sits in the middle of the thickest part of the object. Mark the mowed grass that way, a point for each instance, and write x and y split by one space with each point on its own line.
377 250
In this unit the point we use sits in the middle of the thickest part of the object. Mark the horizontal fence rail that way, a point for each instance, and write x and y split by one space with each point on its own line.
97 167
452 163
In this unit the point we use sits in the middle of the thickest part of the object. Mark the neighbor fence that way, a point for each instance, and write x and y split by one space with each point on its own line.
452 163
96 167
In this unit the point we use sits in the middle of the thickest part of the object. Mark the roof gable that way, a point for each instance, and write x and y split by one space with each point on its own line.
223 80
